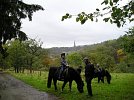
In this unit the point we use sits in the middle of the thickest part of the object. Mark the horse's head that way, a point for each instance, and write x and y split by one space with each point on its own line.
80 86
108 76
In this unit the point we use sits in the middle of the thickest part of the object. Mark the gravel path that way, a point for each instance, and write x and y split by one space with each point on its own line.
13 89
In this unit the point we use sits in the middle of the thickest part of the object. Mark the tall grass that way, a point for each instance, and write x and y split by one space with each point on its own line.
121 87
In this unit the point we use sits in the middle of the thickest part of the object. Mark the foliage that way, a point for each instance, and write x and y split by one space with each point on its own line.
4 62
118 14
74 59
128 41
103 56
121 87
17 54
55 61
34 51
24 55
11 14
47 61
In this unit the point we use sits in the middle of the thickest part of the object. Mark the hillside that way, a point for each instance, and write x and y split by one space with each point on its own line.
108 54
59 50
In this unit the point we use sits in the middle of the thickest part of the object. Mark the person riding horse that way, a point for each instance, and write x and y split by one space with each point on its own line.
63 66
89 74
99 70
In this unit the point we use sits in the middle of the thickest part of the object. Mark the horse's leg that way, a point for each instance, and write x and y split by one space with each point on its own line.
64 85
98 80
70 85
99 77
102 79
55 83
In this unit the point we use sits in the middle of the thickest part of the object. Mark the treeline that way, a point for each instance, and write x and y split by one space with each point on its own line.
21 55
115 55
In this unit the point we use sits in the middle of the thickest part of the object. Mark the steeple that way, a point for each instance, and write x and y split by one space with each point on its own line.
74 44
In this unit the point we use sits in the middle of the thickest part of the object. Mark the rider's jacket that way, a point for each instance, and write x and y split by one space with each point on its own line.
63 63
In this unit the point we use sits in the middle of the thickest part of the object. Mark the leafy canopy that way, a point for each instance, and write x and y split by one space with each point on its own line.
128 41
118 14
11 14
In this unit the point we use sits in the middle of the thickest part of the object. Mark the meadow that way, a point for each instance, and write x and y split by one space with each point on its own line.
121 87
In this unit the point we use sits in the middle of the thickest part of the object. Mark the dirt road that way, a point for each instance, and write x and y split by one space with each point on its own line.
13 89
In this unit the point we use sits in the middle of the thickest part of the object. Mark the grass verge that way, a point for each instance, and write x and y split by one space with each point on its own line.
121 87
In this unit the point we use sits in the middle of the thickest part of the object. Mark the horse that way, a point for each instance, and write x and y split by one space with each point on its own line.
71 75
100 74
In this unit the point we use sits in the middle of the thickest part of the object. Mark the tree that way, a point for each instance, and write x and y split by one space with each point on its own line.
121 55
33 49
25 54
128 41
17 55
118 14
11 14
74 59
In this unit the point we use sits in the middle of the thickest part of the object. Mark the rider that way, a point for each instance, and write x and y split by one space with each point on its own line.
64 64
99 71
98 67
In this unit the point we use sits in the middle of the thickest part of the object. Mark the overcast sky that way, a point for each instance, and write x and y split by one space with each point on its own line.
47 25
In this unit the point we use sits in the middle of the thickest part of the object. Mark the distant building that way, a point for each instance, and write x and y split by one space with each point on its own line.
74 48
74 44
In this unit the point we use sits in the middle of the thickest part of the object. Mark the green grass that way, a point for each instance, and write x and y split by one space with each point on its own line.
121 87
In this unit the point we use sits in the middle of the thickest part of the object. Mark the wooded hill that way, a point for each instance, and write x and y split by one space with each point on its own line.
108 54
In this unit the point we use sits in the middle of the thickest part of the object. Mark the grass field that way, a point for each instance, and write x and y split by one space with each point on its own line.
121 87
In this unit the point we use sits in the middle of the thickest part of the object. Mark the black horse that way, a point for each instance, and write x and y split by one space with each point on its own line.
71 75
100 74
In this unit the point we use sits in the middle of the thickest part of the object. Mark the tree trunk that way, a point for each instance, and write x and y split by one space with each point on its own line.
40 72
23 69
30 69
31 62
33 70
17 69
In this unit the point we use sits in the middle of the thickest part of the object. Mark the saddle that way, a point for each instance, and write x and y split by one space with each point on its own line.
62 74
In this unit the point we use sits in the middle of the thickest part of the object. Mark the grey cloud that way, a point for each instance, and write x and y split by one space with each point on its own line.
48 27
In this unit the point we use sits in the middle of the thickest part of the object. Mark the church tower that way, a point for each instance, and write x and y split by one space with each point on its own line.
74 44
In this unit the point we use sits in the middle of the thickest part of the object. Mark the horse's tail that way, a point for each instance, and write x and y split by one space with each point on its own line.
108 76
49 81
